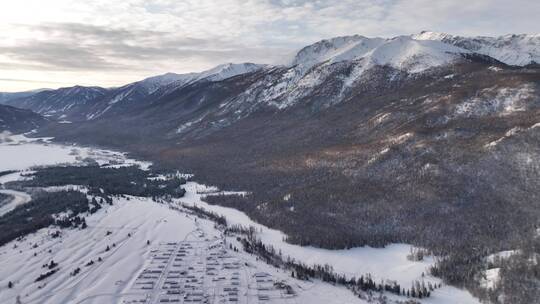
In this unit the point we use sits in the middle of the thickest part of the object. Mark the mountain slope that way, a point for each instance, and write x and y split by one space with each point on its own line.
18 120
59 103
355 59
228 70
79 103
139 94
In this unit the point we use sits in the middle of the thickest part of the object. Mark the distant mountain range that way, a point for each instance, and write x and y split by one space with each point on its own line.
283 86
5 96
80 103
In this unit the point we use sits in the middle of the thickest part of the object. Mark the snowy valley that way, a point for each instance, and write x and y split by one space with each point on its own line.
144 250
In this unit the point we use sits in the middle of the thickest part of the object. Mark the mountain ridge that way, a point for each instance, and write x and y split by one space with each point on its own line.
79 103
410 54
17 120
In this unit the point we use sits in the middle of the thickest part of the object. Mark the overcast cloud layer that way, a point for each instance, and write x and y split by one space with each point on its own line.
111 42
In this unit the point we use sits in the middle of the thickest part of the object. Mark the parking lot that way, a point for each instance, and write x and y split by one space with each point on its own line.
201 270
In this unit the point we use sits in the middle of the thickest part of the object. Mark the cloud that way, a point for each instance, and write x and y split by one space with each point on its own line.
30 80
55 55
72 46
136 38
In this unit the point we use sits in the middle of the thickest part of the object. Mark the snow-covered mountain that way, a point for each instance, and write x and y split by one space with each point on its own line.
356 59
345 62
402 52
217 73
326 73
516 50
86 103
332 70
134 95
342 63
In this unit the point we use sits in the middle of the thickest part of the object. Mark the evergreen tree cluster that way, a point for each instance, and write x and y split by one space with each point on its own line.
203 213
106 181
39 213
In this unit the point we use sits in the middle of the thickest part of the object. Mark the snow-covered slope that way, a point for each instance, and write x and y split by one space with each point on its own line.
151 84
220 72
228 70
18 153
401 52
128 96
117 276
517 50
413 56
336 49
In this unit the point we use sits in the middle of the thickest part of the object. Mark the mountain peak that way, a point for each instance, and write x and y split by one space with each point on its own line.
430 35
335 49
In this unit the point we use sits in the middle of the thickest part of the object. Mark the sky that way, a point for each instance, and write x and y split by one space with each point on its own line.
59 43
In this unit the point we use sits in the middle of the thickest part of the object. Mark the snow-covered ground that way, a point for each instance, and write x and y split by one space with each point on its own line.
389 263
18 152
17 198
491 275
132 222
116 279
